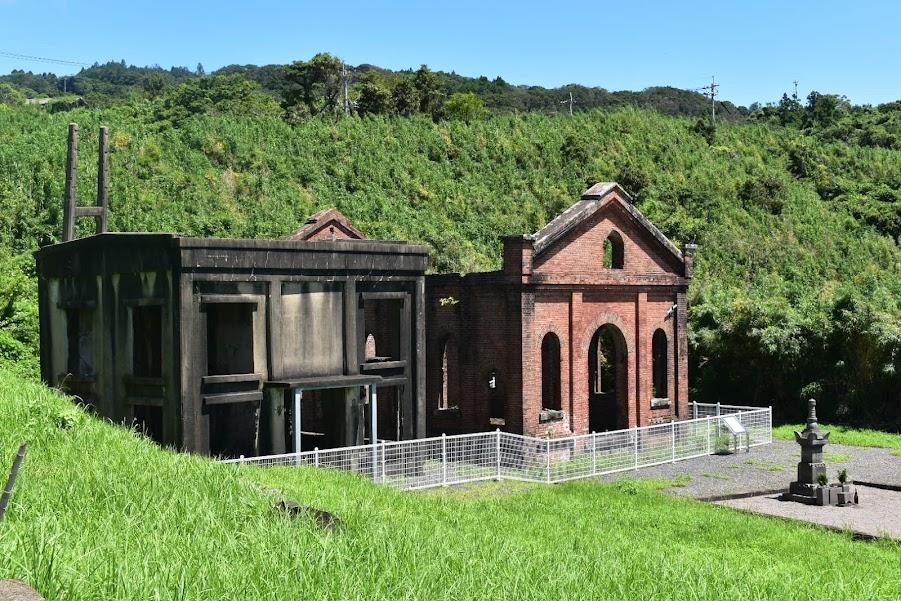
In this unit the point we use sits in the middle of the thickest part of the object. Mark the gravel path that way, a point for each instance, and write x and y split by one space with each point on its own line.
766 468
879 512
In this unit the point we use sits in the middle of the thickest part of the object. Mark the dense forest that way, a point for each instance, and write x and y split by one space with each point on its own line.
114 82
796 207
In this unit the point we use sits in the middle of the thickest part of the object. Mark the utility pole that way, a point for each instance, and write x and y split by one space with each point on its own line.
712 91
344 78
570 101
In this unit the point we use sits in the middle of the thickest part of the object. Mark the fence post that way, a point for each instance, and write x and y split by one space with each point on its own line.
384 470
672 430
708 435
635 445
547 448
718 411
769 415
594 453
497 452
694 407
443 459
315 456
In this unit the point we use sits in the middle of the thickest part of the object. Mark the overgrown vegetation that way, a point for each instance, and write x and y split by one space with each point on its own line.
798 276
138 522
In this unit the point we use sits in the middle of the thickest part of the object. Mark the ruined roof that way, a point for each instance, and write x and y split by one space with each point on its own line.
327 224
593 199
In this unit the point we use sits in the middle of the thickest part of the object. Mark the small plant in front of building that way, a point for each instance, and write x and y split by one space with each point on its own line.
822 479
843 475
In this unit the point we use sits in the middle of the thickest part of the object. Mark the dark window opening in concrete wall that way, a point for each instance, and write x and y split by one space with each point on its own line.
550 372
233 429
659 358
148 420
613 251
147 341
384 320
230 338
447 398
80 338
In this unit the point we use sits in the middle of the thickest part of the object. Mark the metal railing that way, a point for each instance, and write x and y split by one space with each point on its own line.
444 460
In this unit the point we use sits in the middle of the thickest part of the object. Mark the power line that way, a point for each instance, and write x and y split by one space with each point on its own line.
42 59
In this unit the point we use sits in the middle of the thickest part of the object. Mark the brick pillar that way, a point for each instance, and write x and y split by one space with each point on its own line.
681 344
642 352
578 379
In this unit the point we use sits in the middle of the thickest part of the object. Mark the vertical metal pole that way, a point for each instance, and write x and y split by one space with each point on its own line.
298 393
374 427
547 447
694 407
443 459
718 411
315 456
384 469
769 415
635 445
673 436
708 435
71 184
103 180
594 453
497 452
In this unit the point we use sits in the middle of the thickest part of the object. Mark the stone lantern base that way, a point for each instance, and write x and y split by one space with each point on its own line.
815 494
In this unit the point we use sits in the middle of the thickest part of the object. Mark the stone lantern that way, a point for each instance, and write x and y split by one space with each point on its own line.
807 489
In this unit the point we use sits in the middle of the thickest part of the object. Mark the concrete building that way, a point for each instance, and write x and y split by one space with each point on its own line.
209 345
583 329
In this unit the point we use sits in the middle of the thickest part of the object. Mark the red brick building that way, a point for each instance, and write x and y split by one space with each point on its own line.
583 329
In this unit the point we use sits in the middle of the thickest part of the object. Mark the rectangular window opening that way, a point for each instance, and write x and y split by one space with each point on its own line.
230 338
147 341
80 337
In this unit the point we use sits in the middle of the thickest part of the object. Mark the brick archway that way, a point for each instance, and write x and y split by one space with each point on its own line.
608 379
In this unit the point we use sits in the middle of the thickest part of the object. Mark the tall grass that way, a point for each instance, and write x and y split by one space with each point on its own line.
99 513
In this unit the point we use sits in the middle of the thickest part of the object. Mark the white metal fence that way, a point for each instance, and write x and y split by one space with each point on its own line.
443 460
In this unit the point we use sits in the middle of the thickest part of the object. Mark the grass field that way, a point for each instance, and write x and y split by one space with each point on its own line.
99 513
855 437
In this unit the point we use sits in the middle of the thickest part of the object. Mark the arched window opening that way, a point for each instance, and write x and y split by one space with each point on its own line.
659 357
447 397
613 251
370 348
550 372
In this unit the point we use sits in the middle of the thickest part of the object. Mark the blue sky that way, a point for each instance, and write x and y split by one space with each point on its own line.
755 49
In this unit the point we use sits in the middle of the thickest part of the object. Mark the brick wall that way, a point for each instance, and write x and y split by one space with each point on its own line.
500 319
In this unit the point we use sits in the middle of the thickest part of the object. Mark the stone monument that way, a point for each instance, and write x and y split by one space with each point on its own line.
812 486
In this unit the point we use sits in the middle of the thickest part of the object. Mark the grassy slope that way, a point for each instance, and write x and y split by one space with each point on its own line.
857 437
100 514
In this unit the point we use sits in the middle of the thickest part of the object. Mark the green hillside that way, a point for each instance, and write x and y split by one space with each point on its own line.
798 277
101 513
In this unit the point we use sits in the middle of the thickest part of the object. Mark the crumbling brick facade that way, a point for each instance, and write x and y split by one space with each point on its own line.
615 325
